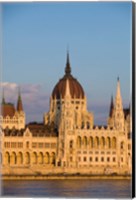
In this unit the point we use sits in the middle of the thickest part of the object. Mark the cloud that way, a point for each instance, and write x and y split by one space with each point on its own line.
36 102
35 99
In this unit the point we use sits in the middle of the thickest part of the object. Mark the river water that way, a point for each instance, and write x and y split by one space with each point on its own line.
67 188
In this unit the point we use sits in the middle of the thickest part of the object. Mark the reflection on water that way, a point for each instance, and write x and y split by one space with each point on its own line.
68 188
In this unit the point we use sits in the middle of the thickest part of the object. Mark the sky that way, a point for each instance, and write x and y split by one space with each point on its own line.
35 41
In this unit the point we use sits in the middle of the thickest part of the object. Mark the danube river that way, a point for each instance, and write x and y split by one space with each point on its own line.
68 188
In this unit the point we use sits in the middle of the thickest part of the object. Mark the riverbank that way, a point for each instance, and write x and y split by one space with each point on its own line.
64 177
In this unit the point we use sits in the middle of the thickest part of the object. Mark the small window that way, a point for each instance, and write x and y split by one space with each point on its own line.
27 144
114 159
96 159
79 158
129 147
121 159
84 159
91 159
102 159
71 159
108 159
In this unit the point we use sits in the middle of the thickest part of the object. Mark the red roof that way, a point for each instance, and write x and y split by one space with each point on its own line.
7 109
76 89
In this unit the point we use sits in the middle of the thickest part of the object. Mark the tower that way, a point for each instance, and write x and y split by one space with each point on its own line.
118 113
20 112
19 102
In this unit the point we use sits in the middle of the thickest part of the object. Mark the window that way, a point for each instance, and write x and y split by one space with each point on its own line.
91 159
27 144
79 159
96 159
34 145
84 159
108 159
129 147
122 145
47 145
53 145
71 159
102 159
114 159
71 144
121 159
40 145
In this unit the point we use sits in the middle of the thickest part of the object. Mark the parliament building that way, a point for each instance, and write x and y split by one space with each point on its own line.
67 141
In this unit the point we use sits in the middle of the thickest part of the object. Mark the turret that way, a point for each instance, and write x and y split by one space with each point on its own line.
3 98
111 107
19 102
118 109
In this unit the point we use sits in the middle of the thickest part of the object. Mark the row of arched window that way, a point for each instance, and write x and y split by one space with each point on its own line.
27 158
96 142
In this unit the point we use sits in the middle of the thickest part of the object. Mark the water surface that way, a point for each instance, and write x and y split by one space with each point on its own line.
68 188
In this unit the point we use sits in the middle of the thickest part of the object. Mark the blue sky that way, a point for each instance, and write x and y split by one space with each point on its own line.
35 39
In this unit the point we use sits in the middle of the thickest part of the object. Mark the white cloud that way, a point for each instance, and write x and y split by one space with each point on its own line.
35 99
36 102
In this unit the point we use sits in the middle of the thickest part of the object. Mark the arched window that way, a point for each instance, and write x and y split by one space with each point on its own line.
108 142
34 157
114 143
88 125
40 158
13 158
7 158
46 158
71 144
85 142
96 142
27 144
52 158
102 142
82 125
20 158
78 142
122 145
91 142
27 158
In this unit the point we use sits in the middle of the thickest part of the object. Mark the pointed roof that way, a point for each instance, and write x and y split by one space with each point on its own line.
19 101
3 98
68 84
67 68
111 106
118 93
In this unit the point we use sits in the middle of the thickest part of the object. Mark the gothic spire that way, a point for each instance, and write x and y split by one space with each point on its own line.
19 101
111 106
3 98
67 68
118 92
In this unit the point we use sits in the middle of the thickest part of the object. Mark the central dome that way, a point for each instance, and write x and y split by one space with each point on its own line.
76 90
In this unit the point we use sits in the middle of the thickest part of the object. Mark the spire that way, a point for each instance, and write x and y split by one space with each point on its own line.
67 68
111 106
3 98
19 101
118 93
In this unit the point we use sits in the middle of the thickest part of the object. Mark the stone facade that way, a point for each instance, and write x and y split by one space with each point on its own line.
67 141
